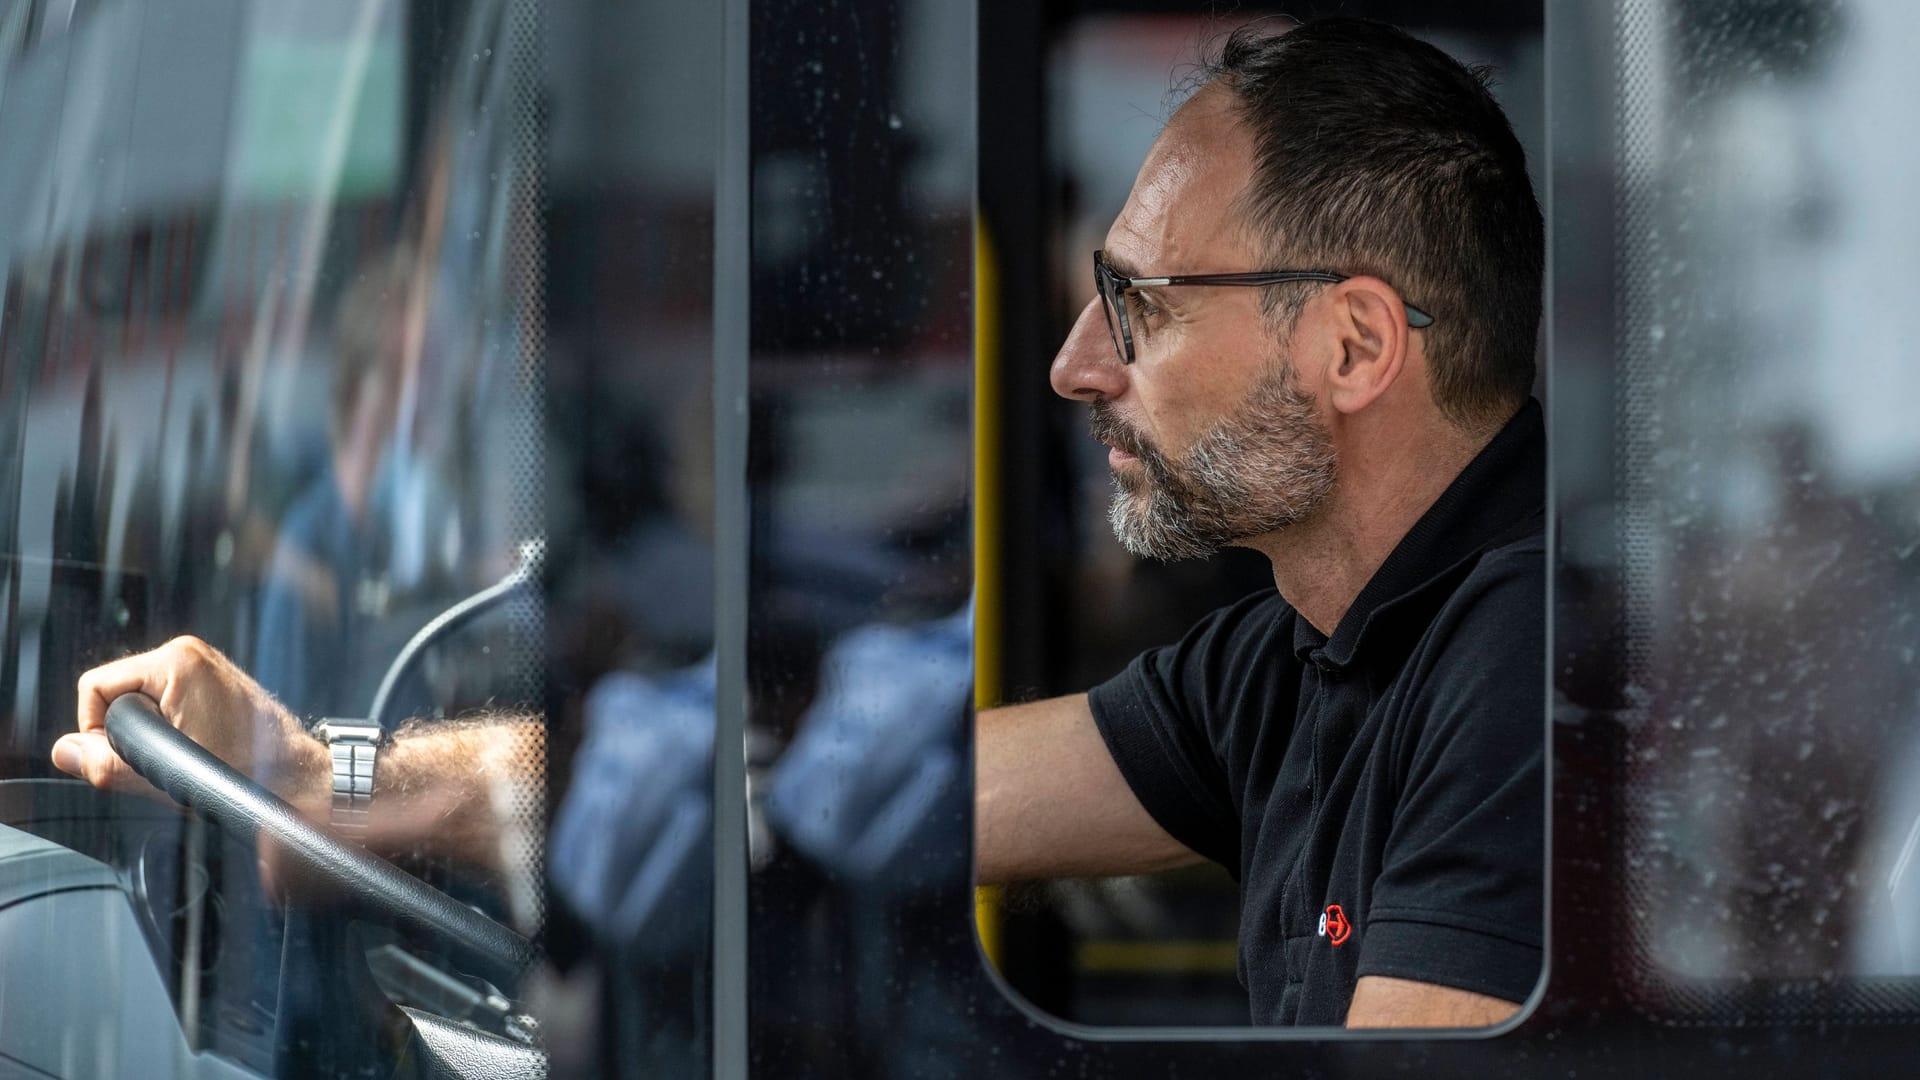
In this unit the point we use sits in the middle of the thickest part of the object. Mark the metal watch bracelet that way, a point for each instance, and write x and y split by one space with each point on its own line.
354 747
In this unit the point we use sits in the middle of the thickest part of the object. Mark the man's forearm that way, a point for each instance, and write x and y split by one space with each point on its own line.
1050 802
462 789
466 790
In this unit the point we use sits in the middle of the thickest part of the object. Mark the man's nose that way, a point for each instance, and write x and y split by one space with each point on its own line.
1087 367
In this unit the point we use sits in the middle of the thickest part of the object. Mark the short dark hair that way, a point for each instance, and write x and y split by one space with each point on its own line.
1376 153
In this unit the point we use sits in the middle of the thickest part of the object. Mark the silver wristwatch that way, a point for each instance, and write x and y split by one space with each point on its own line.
354 746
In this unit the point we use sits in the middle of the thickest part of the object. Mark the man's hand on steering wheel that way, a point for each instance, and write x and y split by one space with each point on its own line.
212 701
453 790
218 707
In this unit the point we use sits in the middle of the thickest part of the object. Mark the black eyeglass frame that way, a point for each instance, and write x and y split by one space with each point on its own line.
1113 286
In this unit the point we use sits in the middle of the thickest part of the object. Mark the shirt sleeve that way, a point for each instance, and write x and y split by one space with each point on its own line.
1169 730
1460 895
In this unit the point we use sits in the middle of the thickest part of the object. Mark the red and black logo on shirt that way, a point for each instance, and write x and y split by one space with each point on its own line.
1334 926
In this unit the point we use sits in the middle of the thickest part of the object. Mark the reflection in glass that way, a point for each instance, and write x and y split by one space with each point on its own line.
270 360
1765 519
859 637
631 151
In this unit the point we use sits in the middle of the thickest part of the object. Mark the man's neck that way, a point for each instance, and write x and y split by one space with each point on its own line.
1321 564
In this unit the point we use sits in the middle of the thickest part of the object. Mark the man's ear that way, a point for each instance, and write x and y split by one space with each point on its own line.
1371 325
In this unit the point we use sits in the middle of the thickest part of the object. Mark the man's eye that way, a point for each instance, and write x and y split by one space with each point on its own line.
1142 310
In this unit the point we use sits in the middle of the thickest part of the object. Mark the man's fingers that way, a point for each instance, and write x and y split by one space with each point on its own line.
100 686
88 755
202 694
68 755
95 760
153 673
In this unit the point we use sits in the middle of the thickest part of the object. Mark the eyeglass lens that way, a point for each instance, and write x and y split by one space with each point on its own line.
1110 301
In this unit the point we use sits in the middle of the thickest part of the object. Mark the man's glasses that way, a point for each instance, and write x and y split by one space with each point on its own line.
1114 287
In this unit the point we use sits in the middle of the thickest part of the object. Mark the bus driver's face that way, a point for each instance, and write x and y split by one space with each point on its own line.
1214 430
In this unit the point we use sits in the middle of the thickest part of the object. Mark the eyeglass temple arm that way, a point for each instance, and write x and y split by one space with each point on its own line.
1416 318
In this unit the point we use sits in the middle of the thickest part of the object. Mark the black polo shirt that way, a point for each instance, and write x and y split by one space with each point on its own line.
1379 795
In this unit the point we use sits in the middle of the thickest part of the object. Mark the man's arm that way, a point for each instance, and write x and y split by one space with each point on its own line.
459 789
1380 1001
439 789
1049 801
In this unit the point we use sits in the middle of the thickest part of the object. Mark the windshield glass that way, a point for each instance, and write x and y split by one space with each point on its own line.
273 362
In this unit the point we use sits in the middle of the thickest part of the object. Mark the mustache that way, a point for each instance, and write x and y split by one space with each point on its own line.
1110 429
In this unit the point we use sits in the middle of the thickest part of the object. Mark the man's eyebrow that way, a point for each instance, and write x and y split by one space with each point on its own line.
1161 298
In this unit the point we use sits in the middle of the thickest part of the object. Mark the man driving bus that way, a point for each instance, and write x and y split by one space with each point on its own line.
1313 336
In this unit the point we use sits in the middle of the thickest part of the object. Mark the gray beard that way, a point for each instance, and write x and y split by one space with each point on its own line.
1268 466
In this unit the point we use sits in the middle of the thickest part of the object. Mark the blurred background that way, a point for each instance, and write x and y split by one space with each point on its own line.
1734 462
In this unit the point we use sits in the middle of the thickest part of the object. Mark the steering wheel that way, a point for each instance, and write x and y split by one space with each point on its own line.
194 777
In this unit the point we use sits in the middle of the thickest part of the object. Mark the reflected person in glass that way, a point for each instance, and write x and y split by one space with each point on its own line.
314 596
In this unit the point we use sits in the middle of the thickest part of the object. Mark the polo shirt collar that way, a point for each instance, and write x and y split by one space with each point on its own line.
1489 503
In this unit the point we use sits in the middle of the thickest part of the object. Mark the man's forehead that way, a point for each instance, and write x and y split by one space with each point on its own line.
1182 206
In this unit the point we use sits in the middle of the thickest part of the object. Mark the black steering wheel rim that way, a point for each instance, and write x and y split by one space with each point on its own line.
194 777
